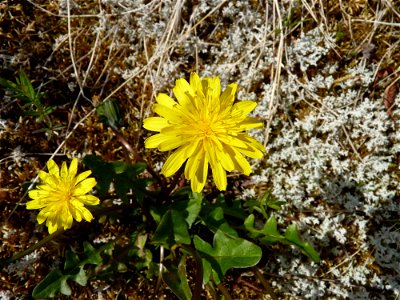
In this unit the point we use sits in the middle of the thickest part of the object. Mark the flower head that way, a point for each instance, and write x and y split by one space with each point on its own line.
62 196
205 127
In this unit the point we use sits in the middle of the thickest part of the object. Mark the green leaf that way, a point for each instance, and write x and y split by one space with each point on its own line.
227 252
81 277
292 235
123 175
271 201
234 209
190 207
56 281
176 279
214 219
269 234
103 171
109 113
92 255
172 230
53 283
71 261
271 230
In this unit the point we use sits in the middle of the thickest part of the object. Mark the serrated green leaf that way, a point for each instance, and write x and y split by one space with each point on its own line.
271 230
234 208
172 230
119 166
292 235
102 171
81 277
269 234
92 255
52 284
191 207
56 281
123 175
215 221
226 253
71 261
109 113
176 279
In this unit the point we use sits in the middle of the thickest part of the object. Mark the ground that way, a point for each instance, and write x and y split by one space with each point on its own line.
325 75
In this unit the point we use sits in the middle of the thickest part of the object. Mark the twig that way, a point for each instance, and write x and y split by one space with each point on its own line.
224 291
135 154
265 283
34 247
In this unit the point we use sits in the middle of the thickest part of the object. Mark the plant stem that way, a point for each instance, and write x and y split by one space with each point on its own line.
35 246
199 271
224 291
135 154
265 283
211 290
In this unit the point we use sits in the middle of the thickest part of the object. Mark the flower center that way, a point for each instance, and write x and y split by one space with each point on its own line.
205 129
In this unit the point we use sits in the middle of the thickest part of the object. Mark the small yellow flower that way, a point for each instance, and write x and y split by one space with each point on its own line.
62 196
205 127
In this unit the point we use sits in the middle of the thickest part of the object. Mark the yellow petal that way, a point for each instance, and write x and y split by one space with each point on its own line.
73 168
165 100
173 130
192 147
86 214
35 194
219 176
172 114
53 168
243 108
155 140
193 163
228 96
195 83
213 93
184 93
76 213
64 170
68 221
43 175
232 141
199 180
174 162
82 176
250 122
88 199
253 148
241 164
34 204
155 123
172 143
52 226
41 217
84 186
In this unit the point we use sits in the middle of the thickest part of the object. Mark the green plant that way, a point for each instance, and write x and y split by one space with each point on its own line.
169 229
23 90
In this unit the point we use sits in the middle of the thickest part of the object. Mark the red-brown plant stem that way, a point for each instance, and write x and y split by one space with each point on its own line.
265 283
136 156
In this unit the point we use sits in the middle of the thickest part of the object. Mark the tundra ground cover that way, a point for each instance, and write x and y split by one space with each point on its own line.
324 75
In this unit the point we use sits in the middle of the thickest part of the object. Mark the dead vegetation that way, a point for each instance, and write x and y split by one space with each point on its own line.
84 52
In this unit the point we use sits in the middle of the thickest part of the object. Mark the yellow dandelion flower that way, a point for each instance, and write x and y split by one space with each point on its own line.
205 127
62 196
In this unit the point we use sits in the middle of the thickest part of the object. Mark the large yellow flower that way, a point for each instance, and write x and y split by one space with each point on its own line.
62 196
205 127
